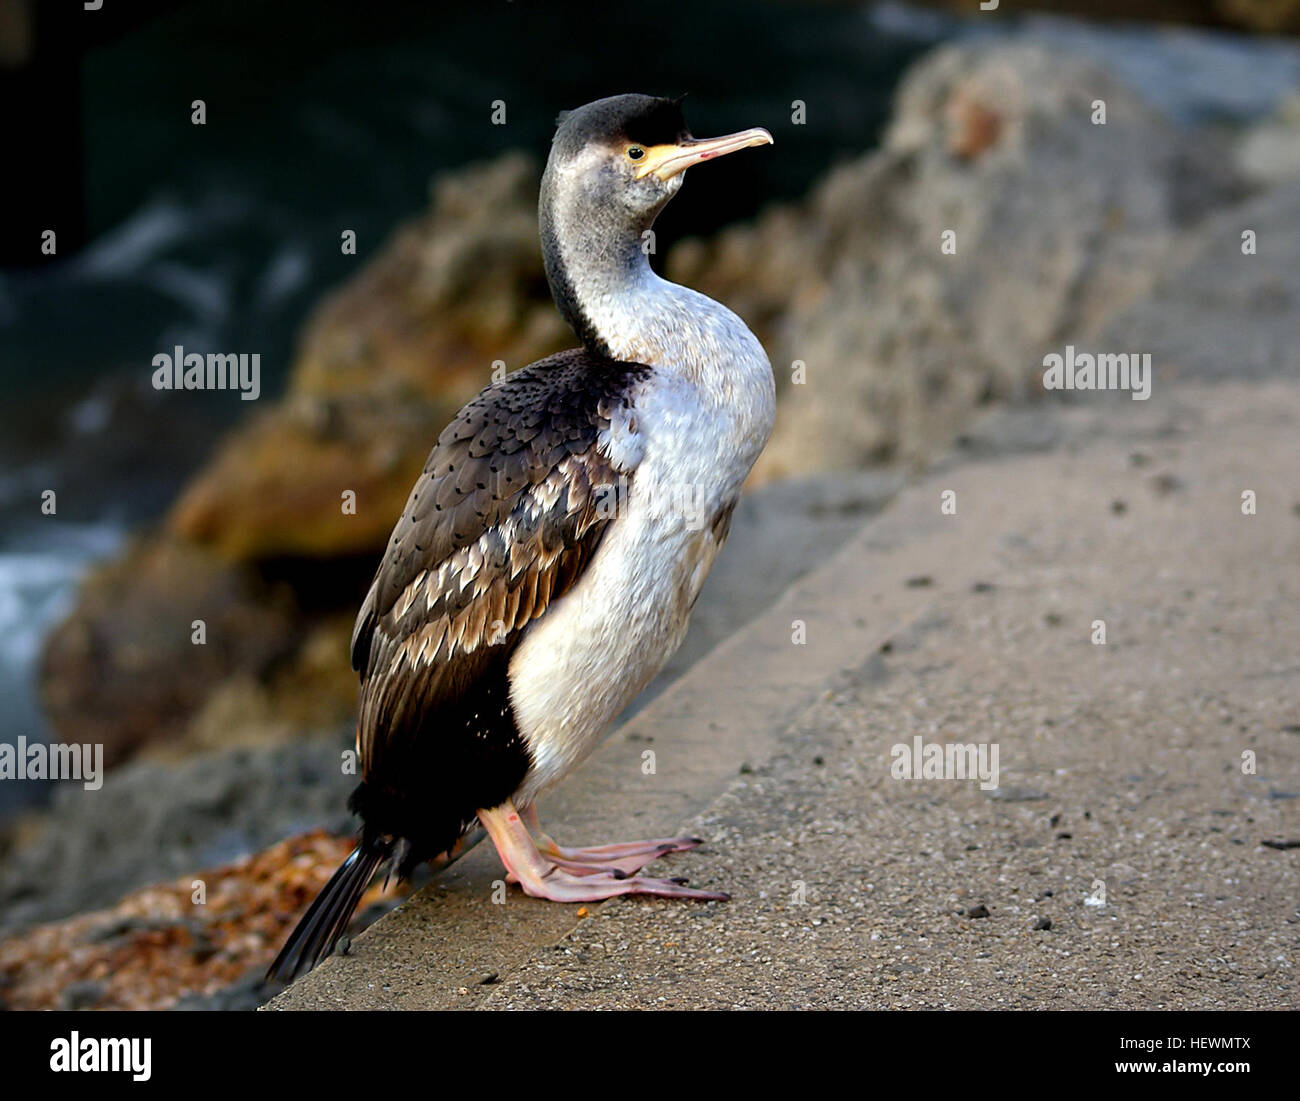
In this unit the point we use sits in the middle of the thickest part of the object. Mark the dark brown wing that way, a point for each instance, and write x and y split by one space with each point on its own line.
509 510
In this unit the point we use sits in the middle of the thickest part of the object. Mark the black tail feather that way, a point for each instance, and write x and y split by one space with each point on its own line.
315 935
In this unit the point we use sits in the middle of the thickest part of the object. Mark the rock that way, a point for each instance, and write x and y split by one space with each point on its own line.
81 995
156 949
243 996
124 669
259 543
384 364
152 821
275 487
1058 224
1268 16
1269 152
1216 312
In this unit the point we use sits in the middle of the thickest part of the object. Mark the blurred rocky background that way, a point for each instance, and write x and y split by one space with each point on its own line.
184 507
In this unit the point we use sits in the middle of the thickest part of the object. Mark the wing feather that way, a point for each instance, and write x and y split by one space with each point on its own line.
502 523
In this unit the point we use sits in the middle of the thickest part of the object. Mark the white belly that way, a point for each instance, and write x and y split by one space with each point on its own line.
596 648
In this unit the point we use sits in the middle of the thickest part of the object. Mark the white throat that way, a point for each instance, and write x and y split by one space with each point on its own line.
604 285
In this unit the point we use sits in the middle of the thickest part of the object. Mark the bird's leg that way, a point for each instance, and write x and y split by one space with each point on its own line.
543 877
628 857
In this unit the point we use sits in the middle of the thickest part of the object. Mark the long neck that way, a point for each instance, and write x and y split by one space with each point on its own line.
595 264
603 284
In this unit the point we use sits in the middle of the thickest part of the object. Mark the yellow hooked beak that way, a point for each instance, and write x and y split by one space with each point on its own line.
666 161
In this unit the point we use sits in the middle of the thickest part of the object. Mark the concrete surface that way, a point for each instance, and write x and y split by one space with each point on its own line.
1121 764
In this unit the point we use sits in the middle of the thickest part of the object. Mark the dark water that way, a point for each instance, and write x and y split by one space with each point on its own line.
324 115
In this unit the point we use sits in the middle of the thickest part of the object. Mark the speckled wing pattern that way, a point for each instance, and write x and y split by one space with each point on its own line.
510 508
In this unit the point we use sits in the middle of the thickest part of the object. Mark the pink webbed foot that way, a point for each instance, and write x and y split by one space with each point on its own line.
622 859
562 886
550 871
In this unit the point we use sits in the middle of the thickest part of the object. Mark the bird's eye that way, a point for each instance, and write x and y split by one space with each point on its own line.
635 153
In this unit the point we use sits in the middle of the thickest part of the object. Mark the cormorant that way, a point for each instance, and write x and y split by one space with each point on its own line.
546 563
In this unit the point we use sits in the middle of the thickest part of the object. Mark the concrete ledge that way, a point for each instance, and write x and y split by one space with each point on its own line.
755 695
728 711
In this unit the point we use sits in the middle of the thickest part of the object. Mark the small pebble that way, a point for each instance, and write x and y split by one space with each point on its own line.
1165 484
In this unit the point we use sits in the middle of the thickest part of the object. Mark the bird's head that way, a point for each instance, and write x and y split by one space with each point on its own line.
616 162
